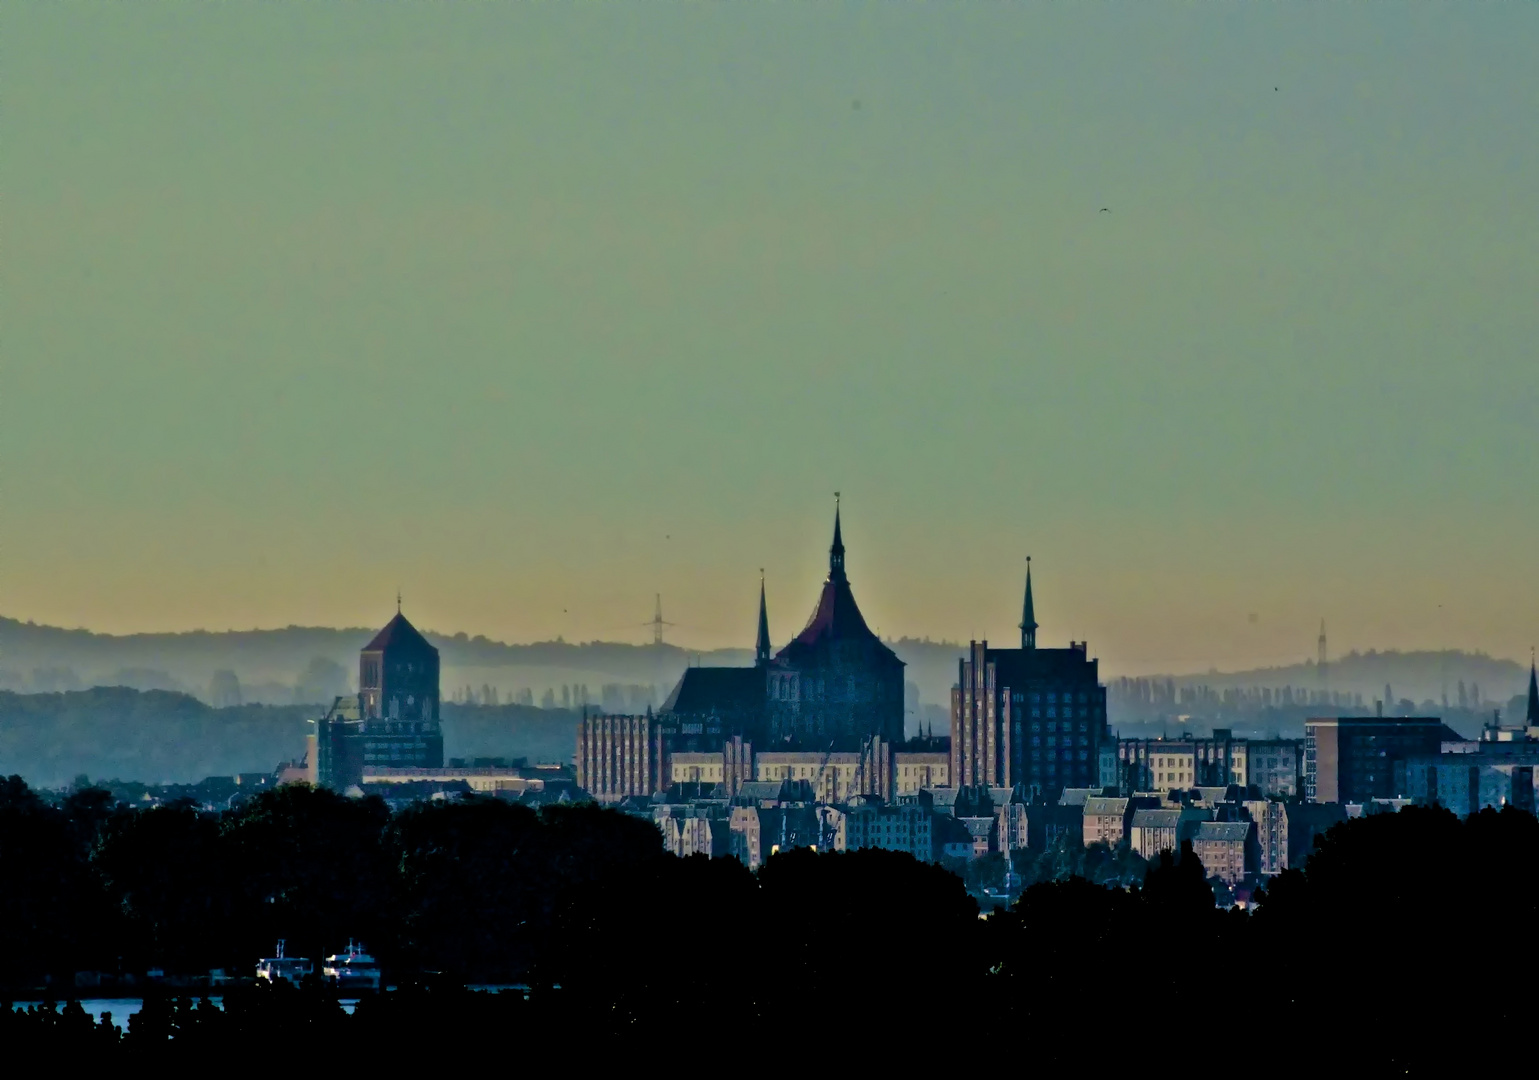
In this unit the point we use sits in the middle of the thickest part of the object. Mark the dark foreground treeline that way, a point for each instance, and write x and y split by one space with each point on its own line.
1401 946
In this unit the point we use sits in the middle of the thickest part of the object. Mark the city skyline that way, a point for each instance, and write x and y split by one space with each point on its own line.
535 313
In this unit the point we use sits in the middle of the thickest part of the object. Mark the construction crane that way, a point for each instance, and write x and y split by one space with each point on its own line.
828 830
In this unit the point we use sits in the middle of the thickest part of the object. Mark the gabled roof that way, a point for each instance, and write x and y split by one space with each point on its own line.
719 690
1222 830
1076 796
979 826
398 633
1105 807
1156 819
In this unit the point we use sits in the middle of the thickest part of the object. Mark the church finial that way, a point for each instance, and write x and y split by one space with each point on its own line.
836 551
1533 691
1028 614
397 601
761 649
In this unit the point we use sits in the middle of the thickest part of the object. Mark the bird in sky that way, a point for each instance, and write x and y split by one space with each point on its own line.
1105 209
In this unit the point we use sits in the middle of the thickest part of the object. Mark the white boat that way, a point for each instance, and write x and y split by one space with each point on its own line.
292 968
351 970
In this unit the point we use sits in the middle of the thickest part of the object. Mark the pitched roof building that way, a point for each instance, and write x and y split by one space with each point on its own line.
834 685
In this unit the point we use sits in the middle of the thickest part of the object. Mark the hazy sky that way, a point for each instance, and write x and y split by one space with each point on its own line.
535 310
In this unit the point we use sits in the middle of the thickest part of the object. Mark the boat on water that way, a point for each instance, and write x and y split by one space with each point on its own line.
351 970
291 968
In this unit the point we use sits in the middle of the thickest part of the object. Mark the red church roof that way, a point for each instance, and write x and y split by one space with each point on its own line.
837 617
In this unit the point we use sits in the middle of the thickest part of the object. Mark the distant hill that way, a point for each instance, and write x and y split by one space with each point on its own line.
1417 676
158 736
270 664
307 665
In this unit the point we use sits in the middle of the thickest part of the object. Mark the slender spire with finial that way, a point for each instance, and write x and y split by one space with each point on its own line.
761 649
1028 614
398 601
1533 691
836 552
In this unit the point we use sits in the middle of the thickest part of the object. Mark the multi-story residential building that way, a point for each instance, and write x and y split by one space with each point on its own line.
1271 821
760 831
1218 761
620 757
1470 775
1360 758
1012 819
1106 821
1051 825
1226 849
1029 716
835 776
1173 766
984 832
913 770
1153 831
1110 776
908 827
1274 767
696 767
695 829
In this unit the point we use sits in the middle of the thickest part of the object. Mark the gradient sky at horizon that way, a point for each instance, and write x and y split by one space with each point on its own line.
537 310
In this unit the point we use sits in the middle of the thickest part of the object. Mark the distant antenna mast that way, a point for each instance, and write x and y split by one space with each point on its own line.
658 622
1322 660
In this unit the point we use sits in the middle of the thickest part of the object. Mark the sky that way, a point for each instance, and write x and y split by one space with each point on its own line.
1223 313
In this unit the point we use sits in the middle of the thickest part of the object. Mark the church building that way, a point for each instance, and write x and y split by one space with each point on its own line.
392 722
834 685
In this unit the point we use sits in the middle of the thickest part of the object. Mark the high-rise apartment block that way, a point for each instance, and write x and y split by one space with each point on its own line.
1028 716
1355 759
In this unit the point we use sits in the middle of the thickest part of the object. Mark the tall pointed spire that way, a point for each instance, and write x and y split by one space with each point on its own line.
836 551
761 649
1533 693
1028 614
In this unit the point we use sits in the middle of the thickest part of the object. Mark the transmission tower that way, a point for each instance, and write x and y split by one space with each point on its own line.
658 622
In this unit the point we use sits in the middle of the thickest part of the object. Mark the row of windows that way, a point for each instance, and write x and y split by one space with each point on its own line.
1068 740
1068 726
1068 755
1052 698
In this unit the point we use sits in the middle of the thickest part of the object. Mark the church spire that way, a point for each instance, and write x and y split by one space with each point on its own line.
761 649
1028 614
1533 694
836 551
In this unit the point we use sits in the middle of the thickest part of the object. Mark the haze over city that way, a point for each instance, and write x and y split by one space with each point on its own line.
536 311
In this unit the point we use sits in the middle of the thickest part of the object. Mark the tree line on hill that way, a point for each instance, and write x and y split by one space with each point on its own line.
1363 956
157 736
